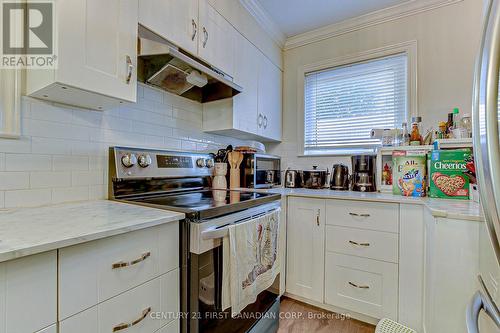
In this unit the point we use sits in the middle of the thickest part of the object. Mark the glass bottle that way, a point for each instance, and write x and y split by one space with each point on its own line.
415 137
405 137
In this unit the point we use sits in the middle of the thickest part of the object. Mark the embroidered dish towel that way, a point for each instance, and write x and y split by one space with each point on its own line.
251 261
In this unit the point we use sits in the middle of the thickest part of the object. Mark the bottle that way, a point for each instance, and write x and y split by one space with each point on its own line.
466 123
449 125
456 111
405 137
415 137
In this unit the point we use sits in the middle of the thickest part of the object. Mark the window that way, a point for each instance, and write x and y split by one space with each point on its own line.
342 104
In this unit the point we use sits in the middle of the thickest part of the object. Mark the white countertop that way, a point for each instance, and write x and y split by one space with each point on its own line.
27 231
448 208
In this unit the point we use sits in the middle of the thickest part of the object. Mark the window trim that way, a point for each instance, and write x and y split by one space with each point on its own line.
409 48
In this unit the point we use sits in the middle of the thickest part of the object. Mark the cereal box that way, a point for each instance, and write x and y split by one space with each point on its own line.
449 174
409 172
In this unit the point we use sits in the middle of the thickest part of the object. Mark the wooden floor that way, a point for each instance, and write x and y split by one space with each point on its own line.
307 318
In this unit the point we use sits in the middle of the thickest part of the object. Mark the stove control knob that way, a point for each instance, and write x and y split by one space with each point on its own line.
144 161
129 160
200 163
209 163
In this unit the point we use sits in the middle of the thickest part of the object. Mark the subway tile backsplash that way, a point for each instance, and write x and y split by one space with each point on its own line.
63 153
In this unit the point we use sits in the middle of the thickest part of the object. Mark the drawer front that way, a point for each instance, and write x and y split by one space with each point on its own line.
366 286
144 305
93 272
172 327
363 243
362 214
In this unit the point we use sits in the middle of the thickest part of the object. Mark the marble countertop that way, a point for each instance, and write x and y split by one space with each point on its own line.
448 208
28 231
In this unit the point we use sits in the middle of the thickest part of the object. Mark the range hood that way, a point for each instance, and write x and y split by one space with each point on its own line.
167 67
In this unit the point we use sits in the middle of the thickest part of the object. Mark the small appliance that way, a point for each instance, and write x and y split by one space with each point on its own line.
293 178
315 178
339 180
260 170
363 175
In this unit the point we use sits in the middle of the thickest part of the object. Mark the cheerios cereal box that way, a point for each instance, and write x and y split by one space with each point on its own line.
409 172
448 174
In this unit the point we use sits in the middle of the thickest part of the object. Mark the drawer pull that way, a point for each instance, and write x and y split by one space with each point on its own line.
359 287
123 326
317 217
121 264
360 215
359 244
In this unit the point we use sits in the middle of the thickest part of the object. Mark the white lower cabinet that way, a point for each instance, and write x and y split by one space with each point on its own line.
144 309
362 285
344 254
28 294
451 270
306 248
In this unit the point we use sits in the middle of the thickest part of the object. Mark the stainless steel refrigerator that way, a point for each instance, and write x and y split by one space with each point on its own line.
482 313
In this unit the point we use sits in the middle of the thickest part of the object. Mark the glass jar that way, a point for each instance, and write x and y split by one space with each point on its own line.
466 123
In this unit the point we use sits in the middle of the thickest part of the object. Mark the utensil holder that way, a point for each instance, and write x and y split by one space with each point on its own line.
234 178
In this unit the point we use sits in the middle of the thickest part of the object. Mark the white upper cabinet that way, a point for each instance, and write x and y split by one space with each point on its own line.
175 20
96 55
217 39
246 74
194 26
255 113
269 99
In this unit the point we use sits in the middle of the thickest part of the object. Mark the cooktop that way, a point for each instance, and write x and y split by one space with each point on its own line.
201 204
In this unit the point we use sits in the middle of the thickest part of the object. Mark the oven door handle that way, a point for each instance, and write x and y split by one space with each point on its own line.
217 232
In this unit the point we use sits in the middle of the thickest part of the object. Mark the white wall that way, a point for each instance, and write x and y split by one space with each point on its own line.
63 153
447 42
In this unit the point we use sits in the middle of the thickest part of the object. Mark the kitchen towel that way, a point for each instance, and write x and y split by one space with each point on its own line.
251 260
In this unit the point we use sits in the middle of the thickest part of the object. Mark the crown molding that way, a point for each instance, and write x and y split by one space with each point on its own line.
392 13
265 21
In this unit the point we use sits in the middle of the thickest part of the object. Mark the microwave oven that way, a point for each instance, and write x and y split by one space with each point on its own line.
260 170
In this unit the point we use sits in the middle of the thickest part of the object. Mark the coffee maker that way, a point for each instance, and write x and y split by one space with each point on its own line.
363 174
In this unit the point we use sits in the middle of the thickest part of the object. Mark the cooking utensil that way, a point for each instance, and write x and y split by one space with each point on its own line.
234 159
315 178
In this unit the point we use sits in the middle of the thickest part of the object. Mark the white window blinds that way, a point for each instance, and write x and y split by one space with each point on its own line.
343 104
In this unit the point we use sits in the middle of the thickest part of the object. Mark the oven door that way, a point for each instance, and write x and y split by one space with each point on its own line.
203 294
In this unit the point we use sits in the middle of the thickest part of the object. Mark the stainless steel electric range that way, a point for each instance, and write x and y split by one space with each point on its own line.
181 181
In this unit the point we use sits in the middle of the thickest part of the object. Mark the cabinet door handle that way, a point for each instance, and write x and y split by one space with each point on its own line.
317 217
358 286
205 34
130 69
195 29
123 326
259 120
359 244
360 215
265 121
122 264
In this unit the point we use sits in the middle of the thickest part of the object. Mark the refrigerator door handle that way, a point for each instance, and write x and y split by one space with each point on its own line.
485 122
480 302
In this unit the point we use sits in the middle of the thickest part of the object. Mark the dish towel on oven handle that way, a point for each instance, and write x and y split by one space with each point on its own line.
250 260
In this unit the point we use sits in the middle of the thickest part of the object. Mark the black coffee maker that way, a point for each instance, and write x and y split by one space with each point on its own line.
363 174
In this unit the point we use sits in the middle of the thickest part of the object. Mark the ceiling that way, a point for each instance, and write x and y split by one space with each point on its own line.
294 17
